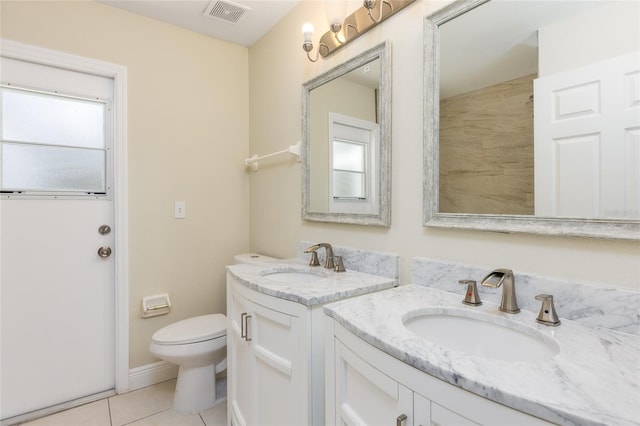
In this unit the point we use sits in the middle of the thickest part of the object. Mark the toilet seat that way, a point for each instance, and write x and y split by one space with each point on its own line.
192 330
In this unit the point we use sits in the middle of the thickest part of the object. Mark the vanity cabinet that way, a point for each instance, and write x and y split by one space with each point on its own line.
365 386
271 374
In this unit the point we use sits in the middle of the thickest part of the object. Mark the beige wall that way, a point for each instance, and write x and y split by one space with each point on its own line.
188 135
278 68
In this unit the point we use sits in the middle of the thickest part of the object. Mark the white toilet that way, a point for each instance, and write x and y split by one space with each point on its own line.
198 346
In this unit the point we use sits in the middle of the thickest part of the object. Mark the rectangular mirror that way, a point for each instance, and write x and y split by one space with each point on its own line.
532 117
346 145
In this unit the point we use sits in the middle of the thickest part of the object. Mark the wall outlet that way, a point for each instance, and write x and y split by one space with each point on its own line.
180 210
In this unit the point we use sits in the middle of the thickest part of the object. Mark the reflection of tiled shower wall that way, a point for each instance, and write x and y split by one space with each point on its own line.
486 150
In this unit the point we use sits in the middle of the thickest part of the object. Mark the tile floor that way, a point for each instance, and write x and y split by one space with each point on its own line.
150 406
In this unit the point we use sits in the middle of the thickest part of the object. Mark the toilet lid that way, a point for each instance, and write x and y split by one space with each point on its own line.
192 330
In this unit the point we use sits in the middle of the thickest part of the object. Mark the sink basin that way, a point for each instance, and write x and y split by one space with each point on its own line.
481 334
293 275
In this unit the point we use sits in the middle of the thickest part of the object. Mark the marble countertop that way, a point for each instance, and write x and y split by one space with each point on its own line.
330 287
594 379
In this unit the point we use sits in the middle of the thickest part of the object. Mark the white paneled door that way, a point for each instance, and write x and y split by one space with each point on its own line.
57 268
587 141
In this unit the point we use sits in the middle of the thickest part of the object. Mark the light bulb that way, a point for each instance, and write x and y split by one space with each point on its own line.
307 30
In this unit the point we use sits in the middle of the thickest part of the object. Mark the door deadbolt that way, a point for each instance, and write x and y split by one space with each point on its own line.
104 230
104 252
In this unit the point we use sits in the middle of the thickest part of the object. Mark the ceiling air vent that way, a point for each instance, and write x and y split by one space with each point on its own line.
225 10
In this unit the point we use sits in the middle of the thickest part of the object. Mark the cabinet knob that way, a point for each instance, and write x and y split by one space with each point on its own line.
401 419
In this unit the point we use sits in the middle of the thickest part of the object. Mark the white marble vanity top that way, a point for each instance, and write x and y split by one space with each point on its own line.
331 286
594 379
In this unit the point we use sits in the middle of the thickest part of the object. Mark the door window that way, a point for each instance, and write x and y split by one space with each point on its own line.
52 144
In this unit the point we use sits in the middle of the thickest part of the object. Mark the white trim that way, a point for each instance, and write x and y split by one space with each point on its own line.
150 374
32 415
25 52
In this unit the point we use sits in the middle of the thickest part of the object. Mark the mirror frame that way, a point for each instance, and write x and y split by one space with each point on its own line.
383 217
558 226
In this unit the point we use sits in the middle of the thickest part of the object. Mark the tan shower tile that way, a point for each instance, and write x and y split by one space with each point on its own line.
141 403
93 414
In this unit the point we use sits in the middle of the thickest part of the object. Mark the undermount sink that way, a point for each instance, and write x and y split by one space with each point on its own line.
481 334
293 275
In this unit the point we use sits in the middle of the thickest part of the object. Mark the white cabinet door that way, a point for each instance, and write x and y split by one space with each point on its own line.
266 383
421 410
365 396
239 405
276 367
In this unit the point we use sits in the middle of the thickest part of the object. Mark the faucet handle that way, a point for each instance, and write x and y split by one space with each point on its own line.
471 296
314 259
339 264
547 315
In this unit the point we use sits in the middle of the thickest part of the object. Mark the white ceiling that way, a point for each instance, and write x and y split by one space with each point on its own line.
497 42
254 23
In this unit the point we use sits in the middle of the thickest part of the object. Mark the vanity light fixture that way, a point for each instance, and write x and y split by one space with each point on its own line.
353 26
370 4
336 27
336 11
307 46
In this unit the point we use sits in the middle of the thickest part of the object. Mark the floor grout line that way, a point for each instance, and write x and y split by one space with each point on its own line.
109 408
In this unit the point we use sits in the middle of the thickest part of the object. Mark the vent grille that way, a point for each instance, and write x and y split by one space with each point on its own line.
225 10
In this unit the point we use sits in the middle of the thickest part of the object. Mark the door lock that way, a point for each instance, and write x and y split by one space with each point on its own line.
104 230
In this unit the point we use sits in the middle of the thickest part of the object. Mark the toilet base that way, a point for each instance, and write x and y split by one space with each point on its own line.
195 389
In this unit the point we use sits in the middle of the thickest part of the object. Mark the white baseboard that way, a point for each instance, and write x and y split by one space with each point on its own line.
150 374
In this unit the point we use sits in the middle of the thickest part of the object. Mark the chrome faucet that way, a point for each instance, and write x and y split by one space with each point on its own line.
328 262
504 278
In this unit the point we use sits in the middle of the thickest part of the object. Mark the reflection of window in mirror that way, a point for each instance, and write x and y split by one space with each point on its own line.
349 171
351 160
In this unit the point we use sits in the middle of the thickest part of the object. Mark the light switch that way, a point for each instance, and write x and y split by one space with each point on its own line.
180 210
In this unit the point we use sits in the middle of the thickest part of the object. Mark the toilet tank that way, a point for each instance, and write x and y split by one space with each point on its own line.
252 258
